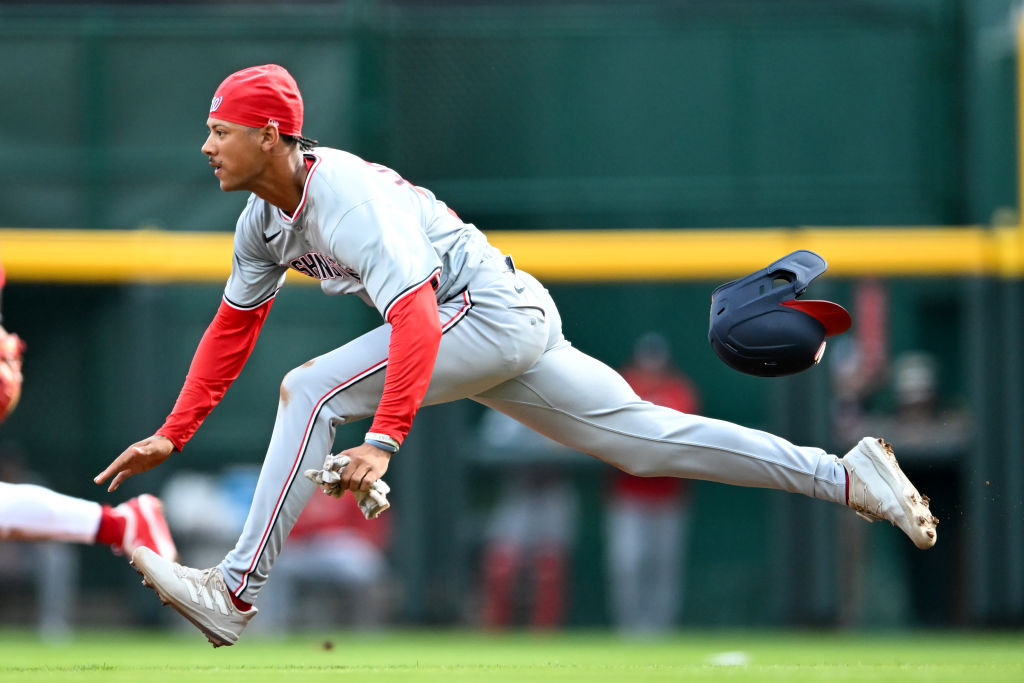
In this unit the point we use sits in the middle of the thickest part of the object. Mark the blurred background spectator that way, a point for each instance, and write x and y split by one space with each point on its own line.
648 517
900 398
922 422
335 571
529 535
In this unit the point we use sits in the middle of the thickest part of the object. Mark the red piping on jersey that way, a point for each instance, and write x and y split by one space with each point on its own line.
240 307
433 279
311 166
467 303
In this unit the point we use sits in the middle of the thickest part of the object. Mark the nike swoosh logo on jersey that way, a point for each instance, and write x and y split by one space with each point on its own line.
268 239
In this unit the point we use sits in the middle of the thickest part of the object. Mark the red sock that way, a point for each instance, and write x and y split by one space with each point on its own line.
111 531
242 605
549 591
500 568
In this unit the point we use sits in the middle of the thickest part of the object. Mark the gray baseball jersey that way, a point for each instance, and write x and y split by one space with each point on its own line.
362 230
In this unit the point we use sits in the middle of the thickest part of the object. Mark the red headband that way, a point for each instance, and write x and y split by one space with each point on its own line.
258 96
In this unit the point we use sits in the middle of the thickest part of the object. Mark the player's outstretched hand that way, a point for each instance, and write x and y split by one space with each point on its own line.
139 457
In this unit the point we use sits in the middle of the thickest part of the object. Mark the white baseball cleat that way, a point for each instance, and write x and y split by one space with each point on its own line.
199 595
878 489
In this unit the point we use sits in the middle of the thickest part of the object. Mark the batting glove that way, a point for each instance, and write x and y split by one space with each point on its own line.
372 503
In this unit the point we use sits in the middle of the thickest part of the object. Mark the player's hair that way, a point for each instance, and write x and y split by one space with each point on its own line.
305 144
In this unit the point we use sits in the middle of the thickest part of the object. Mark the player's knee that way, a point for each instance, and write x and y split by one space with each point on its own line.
308 386
641 468
292 385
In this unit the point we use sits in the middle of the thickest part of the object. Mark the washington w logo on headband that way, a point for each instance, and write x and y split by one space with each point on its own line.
216 103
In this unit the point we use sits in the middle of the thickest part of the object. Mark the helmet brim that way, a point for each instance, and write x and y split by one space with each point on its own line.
833 317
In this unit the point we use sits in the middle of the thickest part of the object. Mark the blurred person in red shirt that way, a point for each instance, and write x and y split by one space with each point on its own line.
531 528
647 517
333 551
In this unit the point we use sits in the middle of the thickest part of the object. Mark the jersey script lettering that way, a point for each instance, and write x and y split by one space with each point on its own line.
315 264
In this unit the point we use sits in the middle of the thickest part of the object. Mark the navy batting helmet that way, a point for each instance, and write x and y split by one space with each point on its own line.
758 326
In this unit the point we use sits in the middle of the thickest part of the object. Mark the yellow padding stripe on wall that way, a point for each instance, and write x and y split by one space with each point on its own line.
153 256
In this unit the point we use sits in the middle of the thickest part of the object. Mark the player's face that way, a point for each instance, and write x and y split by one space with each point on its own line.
235 154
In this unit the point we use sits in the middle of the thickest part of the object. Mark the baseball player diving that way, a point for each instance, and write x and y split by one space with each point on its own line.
460 321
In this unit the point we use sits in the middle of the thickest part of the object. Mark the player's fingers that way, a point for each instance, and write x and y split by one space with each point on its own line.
353 476
346 476
121 476
366 480
102 476
113 467
357 478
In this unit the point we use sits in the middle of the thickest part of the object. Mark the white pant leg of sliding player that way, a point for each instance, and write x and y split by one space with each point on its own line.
487 338
35 513
584 404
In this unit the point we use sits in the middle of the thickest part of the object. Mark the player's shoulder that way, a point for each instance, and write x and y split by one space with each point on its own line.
332 164
340 180
254 218
336 165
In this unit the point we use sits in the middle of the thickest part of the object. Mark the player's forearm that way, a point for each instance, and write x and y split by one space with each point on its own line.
415 338
196 401
219 359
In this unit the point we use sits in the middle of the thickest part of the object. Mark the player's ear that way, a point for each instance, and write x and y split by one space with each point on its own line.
269 136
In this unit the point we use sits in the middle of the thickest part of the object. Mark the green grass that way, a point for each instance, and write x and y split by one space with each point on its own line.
793 657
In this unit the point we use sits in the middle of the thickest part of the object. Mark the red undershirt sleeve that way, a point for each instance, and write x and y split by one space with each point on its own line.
219 358
415 338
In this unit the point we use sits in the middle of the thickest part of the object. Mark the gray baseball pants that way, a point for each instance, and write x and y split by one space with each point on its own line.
502 345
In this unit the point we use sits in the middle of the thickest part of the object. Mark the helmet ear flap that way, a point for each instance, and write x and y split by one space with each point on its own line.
758 327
